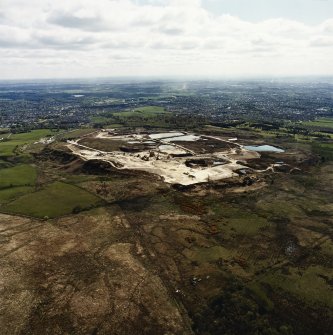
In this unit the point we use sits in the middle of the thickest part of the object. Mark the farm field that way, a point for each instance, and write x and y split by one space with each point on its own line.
8 194
146 115
145 111
76 133
10 144
322 122
54 200
19 175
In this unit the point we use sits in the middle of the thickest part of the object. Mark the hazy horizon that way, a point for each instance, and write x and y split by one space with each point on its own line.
208 39
157 78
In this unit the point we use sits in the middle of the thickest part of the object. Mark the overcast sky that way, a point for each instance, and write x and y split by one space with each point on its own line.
210 38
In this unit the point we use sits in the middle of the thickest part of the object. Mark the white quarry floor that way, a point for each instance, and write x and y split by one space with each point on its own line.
171 169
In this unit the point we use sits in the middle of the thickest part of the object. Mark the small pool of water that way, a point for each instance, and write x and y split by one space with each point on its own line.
165 135
185 138
263 148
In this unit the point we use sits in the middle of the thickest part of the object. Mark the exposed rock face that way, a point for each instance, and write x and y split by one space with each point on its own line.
59 155
95 166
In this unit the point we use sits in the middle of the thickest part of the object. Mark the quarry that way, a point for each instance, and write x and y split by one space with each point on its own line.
176 157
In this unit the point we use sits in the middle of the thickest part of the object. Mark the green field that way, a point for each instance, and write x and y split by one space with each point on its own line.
309 285
11 193
239 221
322 122
141 116
145 112
33 135
105 121
16 181
204 255
9 145
77 133
20 175
54 200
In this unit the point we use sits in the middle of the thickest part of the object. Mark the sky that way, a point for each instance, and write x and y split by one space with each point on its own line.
159 38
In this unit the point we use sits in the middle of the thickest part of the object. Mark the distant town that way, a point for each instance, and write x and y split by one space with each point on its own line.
26 105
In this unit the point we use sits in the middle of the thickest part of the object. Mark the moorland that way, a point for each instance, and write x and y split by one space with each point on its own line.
94 242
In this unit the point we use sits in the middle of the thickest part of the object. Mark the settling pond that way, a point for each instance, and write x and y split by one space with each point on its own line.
263 148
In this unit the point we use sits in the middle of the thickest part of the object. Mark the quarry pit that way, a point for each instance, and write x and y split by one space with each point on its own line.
176 157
